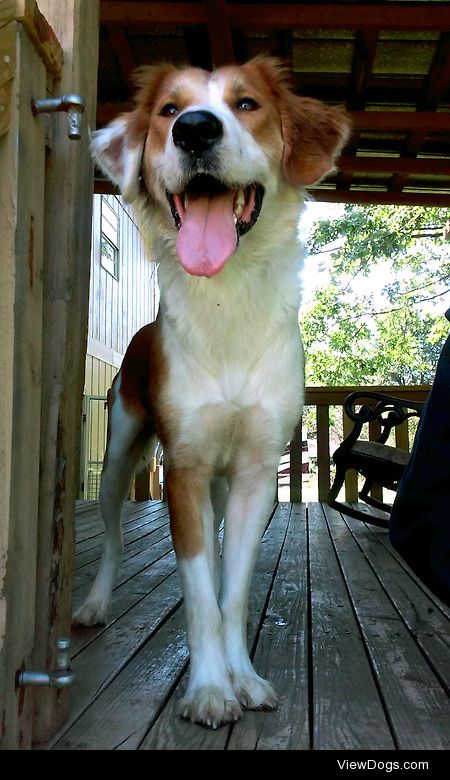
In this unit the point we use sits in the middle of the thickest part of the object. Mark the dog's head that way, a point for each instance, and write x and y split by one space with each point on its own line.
212 146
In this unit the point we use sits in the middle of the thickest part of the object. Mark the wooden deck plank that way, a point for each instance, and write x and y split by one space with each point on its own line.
134 534
418 707
383 538
86 510
135 697
427 624
133 512
171 733
125 597
133 562
346 705
133 521
92 526
103 659
332 617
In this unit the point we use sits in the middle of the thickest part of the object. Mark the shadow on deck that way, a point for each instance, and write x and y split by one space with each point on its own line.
356 647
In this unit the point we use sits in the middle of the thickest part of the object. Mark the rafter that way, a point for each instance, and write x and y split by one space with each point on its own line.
197 46
387 198
373 16
408 165
438 80
104 187
123 52
219 33
124 13
413 145
363 56
398 182
389 121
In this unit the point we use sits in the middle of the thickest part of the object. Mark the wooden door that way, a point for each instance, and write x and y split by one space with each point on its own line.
46 203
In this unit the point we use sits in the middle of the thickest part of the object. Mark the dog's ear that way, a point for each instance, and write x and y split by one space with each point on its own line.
118 153
118 148
314 135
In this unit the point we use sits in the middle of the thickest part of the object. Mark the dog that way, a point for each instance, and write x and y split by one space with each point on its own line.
217 164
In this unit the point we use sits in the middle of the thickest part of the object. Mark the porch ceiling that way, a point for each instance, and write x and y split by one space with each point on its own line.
387 62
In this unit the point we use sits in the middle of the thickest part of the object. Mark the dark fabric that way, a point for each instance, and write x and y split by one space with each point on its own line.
420 517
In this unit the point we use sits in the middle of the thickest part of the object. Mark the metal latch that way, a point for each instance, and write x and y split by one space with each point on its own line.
73 105
62 677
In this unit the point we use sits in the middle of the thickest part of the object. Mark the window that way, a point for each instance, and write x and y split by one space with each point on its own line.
109 239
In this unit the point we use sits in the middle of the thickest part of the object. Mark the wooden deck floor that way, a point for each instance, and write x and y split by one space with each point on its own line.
357 649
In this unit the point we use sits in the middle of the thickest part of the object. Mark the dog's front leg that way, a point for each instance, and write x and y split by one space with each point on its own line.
209 698
251 497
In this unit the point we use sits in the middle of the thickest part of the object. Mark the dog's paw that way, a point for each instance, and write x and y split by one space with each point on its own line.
90 614
254 693
210 706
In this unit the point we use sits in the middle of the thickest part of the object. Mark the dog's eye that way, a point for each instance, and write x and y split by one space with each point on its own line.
247 104
169 109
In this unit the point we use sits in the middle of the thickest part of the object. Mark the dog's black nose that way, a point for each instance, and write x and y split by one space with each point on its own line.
196 132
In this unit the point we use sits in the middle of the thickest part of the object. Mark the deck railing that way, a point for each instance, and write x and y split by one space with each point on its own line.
322 398
147 483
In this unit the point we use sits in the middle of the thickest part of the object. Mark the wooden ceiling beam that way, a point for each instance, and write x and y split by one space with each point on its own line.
388 121
344 180
123 52
387 198
414 143
408 165
412 147
398 182
140 13
197 46
363 16
363 56
219 32
104 187
438 79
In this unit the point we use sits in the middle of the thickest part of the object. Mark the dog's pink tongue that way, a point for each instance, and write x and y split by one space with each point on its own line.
207 237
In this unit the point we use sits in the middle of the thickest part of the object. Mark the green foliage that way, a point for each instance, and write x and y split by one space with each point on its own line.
379 318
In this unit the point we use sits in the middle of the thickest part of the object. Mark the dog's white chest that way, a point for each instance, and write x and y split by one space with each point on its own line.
231 396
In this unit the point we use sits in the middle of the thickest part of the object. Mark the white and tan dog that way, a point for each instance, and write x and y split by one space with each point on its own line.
218 378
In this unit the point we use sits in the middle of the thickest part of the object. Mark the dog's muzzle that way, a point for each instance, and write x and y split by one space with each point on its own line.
210 213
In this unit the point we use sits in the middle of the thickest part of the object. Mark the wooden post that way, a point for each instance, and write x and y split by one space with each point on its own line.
22 162
323 451
295 464
374 432
142 486
402 436
68 210
155 487
351 477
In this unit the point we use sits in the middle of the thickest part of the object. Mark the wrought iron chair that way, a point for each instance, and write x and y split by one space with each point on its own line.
378 462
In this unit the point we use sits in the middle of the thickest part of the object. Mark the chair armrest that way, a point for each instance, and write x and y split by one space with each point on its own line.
388 410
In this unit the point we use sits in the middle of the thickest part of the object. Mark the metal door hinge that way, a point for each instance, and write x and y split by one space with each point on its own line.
61 677
73 105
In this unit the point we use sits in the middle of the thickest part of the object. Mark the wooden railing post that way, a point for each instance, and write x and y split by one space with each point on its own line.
323 451
142 485
374 432
402 436
351 477
296 464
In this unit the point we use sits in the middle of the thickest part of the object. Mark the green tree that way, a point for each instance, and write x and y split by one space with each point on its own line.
379 318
